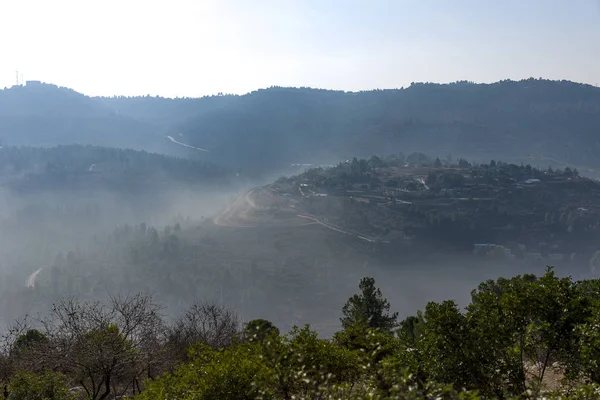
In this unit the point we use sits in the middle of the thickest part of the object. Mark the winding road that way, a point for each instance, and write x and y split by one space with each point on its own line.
185 145
30 282
241 213
320 222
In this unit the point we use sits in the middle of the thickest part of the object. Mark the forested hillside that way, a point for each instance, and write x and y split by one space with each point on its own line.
93 167
535 121
39 114
539 121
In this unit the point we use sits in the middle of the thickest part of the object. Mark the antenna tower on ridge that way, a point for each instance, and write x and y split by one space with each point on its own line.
17 72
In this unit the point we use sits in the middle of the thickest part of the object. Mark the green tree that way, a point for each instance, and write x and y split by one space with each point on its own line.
305 366
445 345
589 336
411 327
29 340
238 372
47 386
258 330
525 321
368 307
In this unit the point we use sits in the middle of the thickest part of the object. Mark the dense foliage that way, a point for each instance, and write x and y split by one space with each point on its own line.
523 337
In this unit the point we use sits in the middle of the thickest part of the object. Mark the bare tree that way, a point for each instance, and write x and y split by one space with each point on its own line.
208 323
105 348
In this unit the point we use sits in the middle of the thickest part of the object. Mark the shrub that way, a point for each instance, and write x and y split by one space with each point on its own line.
47 386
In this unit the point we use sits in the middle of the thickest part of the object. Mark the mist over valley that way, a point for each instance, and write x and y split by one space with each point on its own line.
271 206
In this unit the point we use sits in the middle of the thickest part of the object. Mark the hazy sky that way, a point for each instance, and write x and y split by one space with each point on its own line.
196 47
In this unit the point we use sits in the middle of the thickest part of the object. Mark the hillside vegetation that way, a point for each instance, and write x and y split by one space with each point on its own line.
409 204
93 167
526 337
47 115
539 122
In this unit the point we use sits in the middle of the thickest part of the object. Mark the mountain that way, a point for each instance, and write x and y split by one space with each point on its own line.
538 121
542 122
46 115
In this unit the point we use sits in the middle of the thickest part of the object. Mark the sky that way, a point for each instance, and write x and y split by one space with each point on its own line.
190 48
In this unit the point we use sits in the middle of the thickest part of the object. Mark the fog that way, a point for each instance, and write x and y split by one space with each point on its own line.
155 234
36 228
36 231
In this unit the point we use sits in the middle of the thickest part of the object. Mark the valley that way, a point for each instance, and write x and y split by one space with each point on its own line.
300 200
286 245
291 250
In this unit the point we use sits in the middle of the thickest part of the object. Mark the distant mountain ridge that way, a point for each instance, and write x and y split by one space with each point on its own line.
46 115
538 121
535 121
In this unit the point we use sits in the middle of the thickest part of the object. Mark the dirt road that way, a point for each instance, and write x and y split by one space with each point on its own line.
326 225
185 145
259 207
237 212
30 282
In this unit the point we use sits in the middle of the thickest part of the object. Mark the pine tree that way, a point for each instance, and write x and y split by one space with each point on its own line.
369 308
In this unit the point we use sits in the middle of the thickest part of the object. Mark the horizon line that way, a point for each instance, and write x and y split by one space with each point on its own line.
221 94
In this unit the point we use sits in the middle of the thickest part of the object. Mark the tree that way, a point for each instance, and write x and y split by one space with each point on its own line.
568 172
444 344
369 308
376 162
410 328
437 163
258 330
319 362
590 346
105 348
524 321
238 372
47 386
30 339
462 163
207 323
